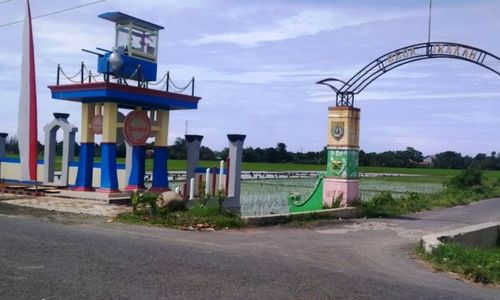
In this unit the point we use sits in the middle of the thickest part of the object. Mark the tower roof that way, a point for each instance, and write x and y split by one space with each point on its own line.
121 18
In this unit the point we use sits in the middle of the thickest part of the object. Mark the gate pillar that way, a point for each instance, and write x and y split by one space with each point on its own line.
160 158
86 160
109 178
341 183
193 156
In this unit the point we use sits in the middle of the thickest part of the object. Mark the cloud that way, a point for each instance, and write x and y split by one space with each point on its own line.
256 74
305 23
468 117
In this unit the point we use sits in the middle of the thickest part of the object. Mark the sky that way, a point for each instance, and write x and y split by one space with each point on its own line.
256 64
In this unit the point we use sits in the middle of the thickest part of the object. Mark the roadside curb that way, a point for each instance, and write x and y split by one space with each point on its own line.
335 213
482 235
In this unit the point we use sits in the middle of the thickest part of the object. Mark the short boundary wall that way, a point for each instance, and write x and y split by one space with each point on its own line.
343 213
485 235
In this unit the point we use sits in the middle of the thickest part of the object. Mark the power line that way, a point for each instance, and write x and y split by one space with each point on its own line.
52 13
4 1
430 17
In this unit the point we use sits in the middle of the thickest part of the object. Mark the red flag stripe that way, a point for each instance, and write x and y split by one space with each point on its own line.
33 130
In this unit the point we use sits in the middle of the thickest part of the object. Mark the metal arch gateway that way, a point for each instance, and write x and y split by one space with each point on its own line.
385 63
339 185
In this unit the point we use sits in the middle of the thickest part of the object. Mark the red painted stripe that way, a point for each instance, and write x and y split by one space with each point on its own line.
33 130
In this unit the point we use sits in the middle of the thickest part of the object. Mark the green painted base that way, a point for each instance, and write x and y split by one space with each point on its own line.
342 163
314 202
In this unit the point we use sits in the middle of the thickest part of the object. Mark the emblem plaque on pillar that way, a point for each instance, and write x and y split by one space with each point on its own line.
337 130
96 125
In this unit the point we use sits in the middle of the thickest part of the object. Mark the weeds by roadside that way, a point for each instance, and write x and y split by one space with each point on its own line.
210 217
479 265
466 187
147 212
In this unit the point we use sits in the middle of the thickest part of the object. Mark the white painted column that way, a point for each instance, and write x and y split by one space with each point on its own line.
234 182
193 155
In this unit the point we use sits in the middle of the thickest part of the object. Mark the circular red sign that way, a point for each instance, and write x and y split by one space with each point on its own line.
137 127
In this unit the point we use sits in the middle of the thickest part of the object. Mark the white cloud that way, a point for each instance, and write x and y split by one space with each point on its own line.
305 23
468 117
256 74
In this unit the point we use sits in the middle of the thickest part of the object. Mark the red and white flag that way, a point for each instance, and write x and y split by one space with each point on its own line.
27 129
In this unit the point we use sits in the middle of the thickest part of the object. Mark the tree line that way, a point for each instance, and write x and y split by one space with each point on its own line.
408 158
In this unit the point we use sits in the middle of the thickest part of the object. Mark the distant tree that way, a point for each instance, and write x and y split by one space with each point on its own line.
179 149
282 153
206 153
224 154
250 155
121 150
271 155
412 156
449 160
12 146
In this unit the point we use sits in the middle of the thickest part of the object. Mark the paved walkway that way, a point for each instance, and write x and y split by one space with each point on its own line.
71 205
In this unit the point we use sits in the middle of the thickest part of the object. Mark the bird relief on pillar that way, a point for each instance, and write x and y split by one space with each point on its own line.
137 128
342 163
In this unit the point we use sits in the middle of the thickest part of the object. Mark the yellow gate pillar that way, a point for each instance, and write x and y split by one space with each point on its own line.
341 183
86 161
109 178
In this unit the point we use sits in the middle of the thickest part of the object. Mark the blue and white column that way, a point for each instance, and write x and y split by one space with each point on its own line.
109 178
86 160
160 156
137 169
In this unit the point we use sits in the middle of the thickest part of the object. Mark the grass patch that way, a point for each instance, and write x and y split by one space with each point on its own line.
466 187
384 204
211 216
479 265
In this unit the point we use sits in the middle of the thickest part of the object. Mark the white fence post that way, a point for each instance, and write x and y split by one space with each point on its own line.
221 173
207 182
191 189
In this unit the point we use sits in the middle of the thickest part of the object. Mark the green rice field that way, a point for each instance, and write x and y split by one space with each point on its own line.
425 174
269 196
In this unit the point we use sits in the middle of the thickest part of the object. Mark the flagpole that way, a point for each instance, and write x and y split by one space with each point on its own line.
27 119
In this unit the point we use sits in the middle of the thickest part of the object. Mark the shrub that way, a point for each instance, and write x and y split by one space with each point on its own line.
378 205
470 177
221 197
144 203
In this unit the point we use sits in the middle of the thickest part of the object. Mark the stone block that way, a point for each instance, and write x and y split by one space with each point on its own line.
347 190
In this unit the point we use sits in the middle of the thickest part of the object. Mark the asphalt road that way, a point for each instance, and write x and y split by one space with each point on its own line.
44 258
